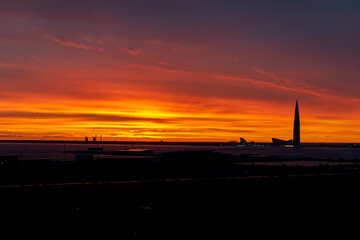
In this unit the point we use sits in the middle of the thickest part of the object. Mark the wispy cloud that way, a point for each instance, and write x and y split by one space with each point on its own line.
6 64
74 44
8 136
79 116
89 40
135 52
302 87
278 82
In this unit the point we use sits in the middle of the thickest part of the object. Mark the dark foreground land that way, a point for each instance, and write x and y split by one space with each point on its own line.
181 196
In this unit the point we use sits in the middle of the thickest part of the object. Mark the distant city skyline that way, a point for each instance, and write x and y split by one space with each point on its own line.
202 70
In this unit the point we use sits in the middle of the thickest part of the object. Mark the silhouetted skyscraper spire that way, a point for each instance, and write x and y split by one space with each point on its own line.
296 136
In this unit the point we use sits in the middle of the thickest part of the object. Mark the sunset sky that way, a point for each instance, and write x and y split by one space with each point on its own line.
180 70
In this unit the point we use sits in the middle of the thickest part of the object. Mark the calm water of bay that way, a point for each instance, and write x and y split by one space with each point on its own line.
55 151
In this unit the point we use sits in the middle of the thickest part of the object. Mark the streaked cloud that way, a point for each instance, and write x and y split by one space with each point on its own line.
78 116
74 44
6 64
9 136
303 87
135 52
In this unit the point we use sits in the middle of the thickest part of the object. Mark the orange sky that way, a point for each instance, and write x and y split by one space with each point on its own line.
126 78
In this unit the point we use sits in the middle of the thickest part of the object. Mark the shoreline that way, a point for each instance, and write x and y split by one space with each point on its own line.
265 144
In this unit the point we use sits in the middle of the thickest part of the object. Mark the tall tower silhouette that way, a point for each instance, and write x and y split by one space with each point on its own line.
296 135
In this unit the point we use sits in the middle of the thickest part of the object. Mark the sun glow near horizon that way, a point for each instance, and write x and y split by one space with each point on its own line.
152 121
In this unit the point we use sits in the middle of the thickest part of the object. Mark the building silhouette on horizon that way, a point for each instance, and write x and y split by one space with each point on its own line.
296 134
296 131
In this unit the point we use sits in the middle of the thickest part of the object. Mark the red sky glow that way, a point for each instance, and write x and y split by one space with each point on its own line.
179 70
